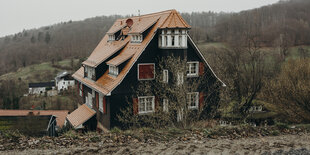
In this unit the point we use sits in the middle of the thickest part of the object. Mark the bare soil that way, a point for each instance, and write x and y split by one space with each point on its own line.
283 144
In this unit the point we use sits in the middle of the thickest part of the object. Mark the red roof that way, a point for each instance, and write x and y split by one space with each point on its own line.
80 115
60 114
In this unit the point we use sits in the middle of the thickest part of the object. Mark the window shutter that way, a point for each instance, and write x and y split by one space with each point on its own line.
104 105
82 90
156 103
97 100
201 100
201 68
135 106
146 71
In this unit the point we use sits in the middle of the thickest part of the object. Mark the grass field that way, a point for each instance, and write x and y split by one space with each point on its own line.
293 51
39 72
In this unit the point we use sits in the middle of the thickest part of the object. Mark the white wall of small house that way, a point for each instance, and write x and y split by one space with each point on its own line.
64 84
37 90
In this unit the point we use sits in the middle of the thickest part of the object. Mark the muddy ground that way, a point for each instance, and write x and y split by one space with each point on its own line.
219 140
283 144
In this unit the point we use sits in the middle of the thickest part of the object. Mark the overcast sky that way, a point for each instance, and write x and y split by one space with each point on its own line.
16 15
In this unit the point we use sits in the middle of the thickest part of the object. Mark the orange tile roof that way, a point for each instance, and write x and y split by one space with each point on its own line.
175 21
118 25
80 115
60 114
142 24
126 54
106 83
104 50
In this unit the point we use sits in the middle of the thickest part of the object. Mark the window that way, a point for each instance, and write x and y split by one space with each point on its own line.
180 79
100 102
113 70
146 71
165 105
111 37
180 115
137 38
90 72
180 41
192 68
89 100
146 104
192 100
175 38
165 76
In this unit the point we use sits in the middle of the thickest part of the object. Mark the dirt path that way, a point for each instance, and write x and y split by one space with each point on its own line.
262 145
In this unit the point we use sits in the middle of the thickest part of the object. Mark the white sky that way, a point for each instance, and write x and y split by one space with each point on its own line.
16 15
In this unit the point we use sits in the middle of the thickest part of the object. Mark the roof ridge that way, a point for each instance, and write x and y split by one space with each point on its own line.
150 14
165 20
181 19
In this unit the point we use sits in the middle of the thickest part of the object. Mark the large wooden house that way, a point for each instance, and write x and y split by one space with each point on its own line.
126 55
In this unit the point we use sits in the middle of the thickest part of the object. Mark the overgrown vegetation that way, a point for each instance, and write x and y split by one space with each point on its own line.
187 99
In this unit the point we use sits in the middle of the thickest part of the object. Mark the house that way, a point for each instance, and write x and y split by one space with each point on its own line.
126 55
33 122
63 81
41 87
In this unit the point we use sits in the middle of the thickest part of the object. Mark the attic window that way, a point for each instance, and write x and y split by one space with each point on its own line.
175 38
136 38
113 70
89 72
111 37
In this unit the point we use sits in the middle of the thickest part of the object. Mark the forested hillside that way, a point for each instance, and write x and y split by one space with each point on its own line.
287 21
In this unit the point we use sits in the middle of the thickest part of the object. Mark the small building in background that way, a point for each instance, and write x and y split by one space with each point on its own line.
33 122
64 80
41 87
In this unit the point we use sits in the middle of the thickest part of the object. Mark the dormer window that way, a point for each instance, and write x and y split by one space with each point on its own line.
136 38
173 38
89 72
113 70
111 37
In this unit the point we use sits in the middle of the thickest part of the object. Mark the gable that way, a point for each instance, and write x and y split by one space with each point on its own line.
129 52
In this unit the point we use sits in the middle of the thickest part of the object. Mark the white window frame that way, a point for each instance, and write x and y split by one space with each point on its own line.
165 105
143 99
111 37
146 64
100 102
190 71
189 100
90 100
180 115
90 72
113 70
165 76
136 38
180 79
80 89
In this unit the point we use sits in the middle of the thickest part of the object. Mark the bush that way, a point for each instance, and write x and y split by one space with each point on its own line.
282 126
116 130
